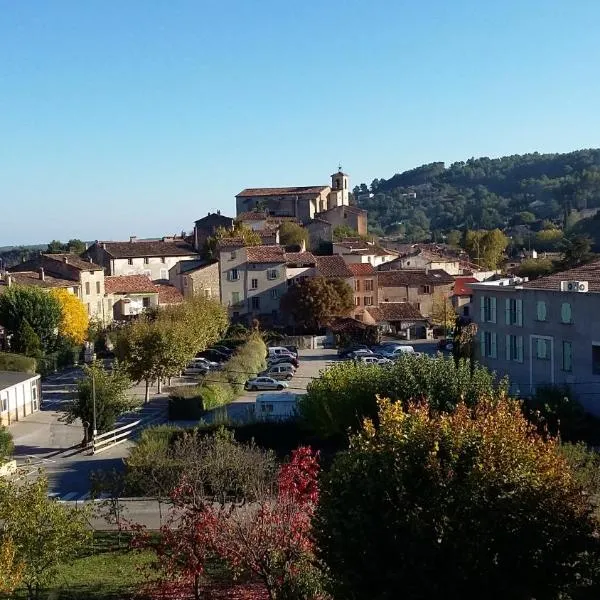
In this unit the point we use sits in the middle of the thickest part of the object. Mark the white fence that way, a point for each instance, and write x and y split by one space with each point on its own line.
107 440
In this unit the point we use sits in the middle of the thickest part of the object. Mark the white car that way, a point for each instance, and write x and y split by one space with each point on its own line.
211 365
373 360
265 383
397 352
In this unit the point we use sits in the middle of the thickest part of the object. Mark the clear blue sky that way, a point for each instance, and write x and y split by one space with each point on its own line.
122 117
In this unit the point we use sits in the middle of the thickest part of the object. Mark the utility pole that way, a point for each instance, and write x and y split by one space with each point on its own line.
95 431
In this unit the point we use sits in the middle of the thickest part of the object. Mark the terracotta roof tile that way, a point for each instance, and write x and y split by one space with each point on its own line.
395 311
340 324
75 261
252 215
129 284
589 273
405 277
32 278
333 266
141 248
305 258
462 287
265 254
167 294
362 269
282 191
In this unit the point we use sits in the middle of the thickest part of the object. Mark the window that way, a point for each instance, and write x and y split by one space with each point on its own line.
489 344
357 286
255 303
274 294
233 255
514 311
596 358
146 302
426 289
235 297
87 288
99 307
163 260
368 300
164 274
368 285
514 348
541 310
130 261
207 293
272 274
566 315
488 309
465 311
542 349
567 356
357 301
89 310
4 401
254 284
233 275
185 282
146 260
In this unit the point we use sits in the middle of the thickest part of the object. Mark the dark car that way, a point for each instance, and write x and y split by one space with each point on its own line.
214 355
223 349
352 348
445 345
293 350
284 358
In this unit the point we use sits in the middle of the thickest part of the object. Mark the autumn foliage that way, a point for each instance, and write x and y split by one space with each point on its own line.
74 320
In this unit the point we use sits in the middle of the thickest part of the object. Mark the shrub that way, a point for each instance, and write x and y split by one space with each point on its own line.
585 464
185 403
7 445
17 362
345 394
470 504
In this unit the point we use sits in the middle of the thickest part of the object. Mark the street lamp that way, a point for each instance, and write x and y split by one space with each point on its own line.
94 431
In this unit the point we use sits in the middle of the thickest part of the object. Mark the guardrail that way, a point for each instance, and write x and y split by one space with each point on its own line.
107 440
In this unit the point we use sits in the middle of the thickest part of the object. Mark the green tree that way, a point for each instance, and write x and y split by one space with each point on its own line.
346 393
535 267
26 341
453 238
576 251
486 248
34 305
313 302
46 533
341 232
240 231
548 240
442 312
76 246
112 397
471 504
56 247
292 234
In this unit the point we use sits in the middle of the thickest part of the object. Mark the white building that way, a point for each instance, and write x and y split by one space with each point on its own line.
20 395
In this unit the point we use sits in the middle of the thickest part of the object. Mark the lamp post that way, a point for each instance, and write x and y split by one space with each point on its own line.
94 431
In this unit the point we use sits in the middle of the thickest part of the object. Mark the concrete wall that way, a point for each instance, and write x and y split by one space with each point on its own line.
20 400
452 267
532 370
202 282
155 267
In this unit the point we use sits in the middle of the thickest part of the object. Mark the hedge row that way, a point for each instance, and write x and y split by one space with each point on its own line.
17 362
219 387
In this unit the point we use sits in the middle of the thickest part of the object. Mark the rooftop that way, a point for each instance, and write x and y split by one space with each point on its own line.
33 278
407 277
362 269
282 191
395 311
266 254
304 258
333 266
129 284
462 286
252 215
188 266
167 294
10 378
142 248
589 273
51 261
83 264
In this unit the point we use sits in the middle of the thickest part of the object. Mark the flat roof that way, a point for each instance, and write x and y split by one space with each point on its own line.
10 378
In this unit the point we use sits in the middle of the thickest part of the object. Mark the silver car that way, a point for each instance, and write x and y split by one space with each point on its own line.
265 383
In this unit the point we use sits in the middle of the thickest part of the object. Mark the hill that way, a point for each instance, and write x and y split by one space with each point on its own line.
485 193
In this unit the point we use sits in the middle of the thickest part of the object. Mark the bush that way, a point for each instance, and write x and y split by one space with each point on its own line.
472 504
17 362
7 445
585 464
185 403
345 394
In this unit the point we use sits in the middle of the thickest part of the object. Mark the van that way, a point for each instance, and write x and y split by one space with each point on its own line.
398 351
277 351
280 372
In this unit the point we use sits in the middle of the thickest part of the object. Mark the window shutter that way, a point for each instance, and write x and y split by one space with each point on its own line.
520 348
541 310
565 312
520 312
494 349
507 311
493 309
482 304
508 356
482 343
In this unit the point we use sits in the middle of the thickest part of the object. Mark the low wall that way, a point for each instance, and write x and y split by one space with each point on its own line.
303 342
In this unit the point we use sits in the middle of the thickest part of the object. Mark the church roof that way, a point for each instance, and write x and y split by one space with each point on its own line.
282 191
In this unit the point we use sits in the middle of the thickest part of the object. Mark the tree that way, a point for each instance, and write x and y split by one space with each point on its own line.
26 341
11 571
471 504
576 251
533 268
34 305
346 393
56 247
45 533
74 321
240 231
112 398
453 238
311 303
76 246
486 248
292 234
341 232
442 312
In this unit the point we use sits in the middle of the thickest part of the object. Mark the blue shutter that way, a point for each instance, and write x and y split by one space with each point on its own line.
565 312
520 312
482 304
494 345
482 344
507 311
508 346
493 309
520 348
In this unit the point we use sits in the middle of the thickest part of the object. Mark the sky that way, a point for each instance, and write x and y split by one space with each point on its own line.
137 117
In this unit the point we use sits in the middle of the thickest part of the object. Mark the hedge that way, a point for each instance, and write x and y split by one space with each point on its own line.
17 362
219 387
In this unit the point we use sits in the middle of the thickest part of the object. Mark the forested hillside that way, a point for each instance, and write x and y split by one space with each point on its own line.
484 193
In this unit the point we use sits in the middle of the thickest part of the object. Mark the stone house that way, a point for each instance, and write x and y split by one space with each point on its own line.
360 251
319 231
196 278
152 258
130 295
364 285
345 215
399 318
543 332
207 226
420 258
417 287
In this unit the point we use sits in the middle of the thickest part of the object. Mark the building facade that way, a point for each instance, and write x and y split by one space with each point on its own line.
365 286
543 332
196 278
346 216
20 395
207 227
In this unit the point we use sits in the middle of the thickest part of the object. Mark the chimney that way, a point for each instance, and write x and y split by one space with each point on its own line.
42 274
133 238
66 259
103 246
90 259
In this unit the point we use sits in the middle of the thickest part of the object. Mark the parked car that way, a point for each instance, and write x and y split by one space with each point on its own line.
293 350
196 367
265 383
352 348
398 352
283 358
213 355
280 372
223 349
211 365
373 360
445 345
352 354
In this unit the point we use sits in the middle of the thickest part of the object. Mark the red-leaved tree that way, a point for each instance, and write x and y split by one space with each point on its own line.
272 540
